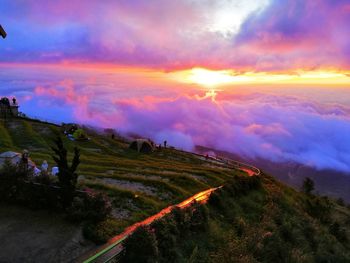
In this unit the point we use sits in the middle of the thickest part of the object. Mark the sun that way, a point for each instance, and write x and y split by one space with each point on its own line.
209 78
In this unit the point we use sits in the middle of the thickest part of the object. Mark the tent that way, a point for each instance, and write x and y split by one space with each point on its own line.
69 128
79 134
142 145
14 158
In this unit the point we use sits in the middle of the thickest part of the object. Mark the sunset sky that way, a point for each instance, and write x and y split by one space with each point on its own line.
263 79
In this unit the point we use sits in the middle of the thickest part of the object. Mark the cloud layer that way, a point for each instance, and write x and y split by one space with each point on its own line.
275 35
307 125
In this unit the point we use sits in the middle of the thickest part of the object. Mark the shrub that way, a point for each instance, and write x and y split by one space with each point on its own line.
182 219
319 208
215 200
11 179
141 246
93 206
39 196
275 250
308 186
166 234
199 218
240 185
340 201
44 179
310 235
100 232
240 226
340 233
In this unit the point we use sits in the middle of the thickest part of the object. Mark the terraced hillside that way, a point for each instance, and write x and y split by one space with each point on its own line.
138 184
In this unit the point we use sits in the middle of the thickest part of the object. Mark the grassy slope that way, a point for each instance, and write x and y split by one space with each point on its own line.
273 223
173 175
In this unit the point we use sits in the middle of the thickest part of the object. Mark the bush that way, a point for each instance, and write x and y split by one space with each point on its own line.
199 218
11 179
94 207
166 234
39 196
44 179
182 219
141 246
308 186
102 231
240 185
340 201
215 199
275 250
340 233
319 208
240 226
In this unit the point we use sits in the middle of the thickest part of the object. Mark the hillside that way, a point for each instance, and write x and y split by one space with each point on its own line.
138 184
251 219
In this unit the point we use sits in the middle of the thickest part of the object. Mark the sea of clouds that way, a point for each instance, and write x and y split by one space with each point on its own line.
278 126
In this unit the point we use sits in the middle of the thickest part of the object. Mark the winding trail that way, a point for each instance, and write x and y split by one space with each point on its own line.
113 248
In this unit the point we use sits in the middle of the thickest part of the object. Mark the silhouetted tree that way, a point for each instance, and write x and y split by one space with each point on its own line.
67 176
308 186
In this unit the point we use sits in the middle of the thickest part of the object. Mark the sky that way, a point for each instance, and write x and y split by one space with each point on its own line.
262 79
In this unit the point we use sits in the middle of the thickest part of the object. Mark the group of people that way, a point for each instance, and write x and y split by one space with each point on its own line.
45 169
24 162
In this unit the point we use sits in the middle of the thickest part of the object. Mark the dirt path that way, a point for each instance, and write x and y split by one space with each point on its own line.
38 236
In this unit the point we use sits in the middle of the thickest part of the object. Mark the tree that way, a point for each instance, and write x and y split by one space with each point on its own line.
67 176
308 186
141 246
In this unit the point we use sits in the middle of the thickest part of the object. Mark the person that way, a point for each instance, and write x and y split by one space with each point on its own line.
24 161
113 136
14 101
165 143
36 171
44 166
54 171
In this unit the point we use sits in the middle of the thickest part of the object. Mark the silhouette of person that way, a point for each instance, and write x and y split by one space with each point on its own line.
24 160
113 136
44 166
14 100
165 143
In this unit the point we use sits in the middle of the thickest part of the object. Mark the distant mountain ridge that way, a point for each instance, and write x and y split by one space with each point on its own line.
327 182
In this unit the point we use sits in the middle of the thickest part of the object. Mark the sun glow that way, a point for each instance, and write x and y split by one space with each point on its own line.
211 78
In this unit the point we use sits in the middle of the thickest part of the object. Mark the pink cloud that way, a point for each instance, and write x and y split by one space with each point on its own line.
174 35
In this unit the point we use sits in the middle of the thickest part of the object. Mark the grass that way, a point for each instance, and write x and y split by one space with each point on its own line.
267 223
174 174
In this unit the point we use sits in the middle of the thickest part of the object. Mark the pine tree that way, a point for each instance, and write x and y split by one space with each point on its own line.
67 176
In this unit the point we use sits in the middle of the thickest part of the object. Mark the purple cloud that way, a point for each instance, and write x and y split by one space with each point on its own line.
285 35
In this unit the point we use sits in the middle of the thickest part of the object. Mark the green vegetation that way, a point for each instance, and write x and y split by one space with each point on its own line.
252 219
138 185
308 186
